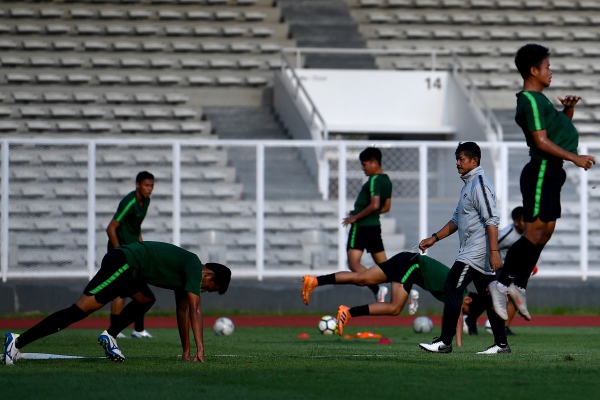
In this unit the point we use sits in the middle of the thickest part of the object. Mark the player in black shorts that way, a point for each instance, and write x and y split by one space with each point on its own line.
552 139
402 270
126 272
374 198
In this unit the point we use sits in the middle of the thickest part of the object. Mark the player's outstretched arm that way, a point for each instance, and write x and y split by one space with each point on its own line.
459 330
569 102
195 311
446 231
183 325
111 231
546 145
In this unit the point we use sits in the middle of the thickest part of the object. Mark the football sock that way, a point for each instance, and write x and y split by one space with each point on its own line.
523 275
517 259
138 324
51 324
328 279
359 311
374 289
129 314
113 317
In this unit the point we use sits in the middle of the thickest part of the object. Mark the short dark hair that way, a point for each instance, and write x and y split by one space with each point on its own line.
517 213
530 55
143 175
222 276
471 150
370 153
477 307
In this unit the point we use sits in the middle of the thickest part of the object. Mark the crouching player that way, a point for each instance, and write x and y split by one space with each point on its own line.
403 270
126 272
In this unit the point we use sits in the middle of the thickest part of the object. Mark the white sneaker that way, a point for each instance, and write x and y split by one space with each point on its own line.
413 304
495 349
383 291
11 353
142 334
436 346
519 297
110 347
121 336
499 300
465 326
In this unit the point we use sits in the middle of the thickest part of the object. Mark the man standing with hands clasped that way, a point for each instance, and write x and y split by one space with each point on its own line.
552 139
476 220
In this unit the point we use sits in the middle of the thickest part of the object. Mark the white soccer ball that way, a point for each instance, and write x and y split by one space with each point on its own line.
422 325
223 326
328 325
488 326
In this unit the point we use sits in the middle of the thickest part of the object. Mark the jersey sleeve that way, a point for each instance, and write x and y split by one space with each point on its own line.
484 202
504 241
124 208
532 113
193 278
455 216
375 186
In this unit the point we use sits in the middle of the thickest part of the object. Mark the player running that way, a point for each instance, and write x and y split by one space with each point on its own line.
402 270
127 271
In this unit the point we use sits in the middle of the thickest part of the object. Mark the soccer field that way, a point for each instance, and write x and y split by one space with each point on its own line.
272 363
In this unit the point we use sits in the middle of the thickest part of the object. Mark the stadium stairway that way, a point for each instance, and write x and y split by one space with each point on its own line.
315 23
260 123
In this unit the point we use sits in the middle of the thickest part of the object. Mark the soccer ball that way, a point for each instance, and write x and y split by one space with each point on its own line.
223 327
328 325
422 325
488 326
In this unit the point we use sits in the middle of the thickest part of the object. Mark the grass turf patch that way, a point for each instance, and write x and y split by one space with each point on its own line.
271 363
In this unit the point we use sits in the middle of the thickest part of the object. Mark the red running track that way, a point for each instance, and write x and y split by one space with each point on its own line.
309 321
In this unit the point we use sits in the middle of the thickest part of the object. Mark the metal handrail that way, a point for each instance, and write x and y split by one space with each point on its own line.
314 111
473 94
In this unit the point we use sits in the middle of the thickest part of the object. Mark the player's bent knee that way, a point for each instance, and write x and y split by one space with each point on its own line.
395 310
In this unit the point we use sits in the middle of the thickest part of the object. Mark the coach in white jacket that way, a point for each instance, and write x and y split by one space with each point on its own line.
476 220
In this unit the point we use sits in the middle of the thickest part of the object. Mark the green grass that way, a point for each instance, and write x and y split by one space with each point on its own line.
271 363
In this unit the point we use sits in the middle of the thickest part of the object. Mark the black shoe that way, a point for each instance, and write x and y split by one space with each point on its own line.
508 332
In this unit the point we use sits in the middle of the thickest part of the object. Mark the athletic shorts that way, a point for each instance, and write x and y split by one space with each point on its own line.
114 279
399 269
541 183
365 237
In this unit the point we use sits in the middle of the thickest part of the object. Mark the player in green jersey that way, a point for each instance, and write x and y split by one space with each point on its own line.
375 198
127 271
126 227
402 270
552 138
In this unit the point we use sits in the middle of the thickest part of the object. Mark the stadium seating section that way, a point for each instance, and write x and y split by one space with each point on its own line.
127 67
151 68
485 35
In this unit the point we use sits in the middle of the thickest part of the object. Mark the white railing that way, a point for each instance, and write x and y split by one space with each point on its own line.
339 181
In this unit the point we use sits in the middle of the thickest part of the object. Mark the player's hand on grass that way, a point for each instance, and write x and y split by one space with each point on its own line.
584 161
569 100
